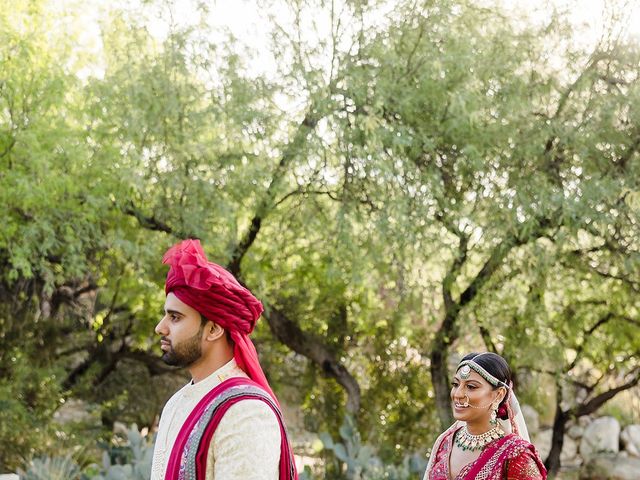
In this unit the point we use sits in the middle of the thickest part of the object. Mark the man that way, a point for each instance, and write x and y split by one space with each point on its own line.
226 423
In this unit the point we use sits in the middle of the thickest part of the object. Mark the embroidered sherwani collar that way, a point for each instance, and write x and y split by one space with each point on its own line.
229 369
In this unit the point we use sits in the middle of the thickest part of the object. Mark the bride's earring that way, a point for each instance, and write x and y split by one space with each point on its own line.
493 420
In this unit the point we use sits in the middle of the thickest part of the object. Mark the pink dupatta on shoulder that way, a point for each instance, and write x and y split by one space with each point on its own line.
188 459
492 463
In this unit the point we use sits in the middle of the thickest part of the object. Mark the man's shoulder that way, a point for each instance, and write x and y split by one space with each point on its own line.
247 442
250 422
251 410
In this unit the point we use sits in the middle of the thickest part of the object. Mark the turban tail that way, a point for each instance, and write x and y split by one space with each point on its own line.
219 297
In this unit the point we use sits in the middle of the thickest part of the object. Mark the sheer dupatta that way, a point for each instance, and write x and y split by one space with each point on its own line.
188 459
436 448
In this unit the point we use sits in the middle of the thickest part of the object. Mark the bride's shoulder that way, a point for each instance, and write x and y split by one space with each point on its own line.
524 463
526 466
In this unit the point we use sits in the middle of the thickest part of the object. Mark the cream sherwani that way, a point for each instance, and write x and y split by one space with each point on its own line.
245 445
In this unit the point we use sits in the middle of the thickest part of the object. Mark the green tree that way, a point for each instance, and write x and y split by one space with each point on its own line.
410 181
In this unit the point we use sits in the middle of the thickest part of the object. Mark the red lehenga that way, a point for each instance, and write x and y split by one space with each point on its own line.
509 457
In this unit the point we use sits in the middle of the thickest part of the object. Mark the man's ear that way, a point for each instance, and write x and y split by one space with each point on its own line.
213 331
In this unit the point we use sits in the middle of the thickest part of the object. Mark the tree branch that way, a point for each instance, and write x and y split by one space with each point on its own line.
308 123
8 148
453 272
596 402
585 334
150 222
490 266
312 347
633 149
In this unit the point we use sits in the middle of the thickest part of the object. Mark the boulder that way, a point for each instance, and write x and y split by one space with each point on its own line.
611 467
569 451
542 442
531 418
9 476
601 436
73 411
575 432
630 437
584 420
569 454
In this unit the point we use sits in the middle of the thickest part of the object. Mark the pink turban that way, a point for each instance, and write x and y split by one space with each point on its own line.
219 297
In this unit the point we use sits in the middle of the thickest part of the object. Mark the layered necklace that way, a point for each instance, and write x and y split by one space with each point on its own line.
467 441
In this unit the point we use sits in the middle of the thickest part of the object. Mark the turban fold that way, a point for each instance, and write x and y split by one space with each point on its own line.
219 297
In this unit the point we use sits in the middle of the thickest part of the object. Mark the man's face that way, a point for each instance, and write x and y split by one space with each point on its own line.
181 330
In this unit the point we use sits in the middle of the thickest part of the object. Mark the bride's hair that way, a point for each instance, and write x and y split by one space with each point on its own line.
496 366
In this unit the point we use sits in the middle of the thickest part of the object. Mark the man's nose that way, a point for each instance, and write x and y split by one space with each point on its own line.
160 327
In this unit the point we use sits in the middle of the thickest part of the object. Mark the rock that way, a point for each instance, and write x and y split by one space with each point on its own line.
575 432
9 476
630 437
569 451
73 411
602 435
584 420
542 442
531 418
611 467
572 465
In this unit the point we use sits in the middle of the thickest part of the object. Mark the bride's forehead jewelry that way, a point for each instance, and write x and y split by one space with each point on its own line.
465 370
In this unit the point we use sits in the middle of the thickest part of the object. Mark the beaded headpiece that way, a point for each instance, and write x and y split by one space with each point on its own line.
466 366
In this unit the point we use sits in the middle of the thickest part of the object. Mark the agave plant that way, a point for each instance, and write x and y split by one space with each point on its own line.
140 453
51 468
360 460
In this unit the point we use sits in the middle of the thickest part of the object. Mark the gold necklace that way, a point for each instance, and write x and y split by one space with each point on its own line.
467 441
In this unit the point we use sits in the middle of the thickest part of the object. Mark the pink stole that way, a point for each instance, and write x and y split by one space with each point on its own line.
188 459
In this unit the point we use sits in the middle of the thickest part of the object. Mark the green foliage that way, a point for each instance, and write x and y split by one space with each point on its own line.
28 399
127 457
427 172
130 459
52 468
355 460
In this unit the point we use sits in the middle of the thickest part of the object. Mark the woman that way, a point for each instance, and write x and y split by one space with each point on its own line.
489 440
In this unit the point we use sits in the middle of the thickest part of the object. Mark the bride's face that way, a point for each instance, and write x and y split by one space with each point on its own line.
472 397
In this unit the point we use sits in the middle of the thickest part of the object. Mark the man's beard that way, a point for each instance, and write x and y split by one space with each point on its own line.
186 352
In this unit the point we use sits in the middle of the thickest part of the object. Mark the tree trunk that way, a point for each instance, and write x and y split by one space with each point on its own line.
553 459
440 381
